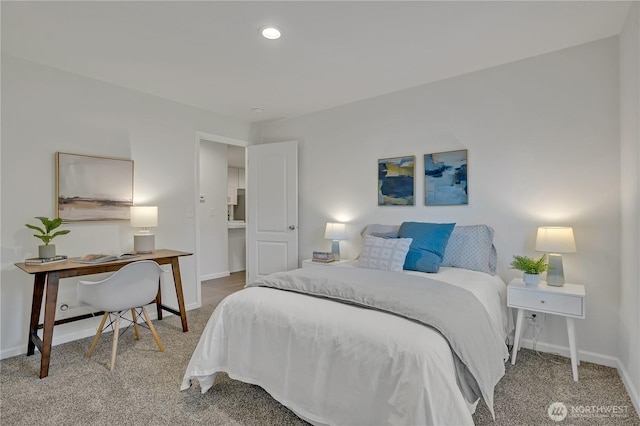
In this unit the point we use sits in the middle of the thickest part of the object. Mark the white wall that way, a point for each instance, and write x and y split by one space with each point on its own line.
629 328
543 141
214 255
45 110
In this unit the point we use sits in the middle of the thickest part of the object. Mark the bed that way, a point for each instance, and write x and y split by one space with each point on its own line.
323 342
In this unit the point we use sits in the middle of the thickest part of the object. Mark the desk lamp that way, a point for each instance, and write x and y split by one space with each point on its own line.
144 217
555 240
335 232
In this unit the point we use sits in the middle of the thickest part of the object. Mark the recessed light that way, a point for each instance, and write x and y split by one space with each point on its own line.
257 109
271 32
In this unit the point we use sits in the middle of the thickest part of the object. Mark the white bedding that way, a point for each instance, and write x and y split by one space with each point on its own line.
333 363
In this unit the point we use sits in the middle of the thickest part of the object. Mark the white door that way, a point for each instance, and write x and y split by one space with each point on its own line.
272 208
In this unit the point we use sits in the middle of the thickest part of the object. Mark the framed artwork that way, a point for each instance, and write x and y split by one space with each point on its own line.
445 178
92 188
396 182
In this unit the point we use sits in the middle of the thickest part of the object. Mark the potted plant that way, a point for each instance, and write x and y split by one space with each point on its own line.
532 268
47 250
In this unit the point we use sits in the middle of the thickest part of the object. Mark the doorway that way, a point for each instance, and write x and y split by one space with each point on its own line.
220 224
236 213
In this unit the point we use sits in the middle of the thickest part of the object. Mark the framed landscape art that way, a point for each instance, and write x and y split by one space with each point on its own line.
396 183
445 178
92 188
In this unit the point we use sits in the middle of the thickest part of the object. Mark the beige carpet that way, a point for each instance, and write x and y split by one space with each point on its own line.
144 388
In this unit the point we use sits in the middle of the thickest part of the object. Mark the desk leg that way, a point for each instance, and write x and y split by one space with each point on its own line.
159 300
571 331
175 266
49 320
36 306
516 343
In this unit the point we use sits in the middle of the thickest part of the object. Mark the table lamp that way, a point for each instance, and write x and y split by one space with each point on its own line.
144 217
555 240
335 232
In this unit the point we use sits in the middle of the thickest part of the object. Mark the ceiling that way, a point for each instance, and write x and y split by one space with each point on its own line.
211 56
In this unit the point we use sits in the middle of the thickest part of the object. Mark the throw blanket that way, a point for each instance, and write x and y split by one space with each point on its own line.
478 349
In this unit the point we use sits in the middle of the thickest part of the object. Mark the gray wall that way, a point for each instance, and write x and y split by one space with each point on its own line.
45 110
629 329
544 149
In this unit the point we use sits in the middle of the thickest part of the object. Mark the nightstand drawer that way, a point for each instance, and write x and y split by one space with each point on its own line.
545 302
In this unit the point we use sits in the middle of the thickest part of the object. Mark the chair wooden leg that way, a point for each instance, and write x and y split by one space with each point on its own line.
153 329
95 339
114 348
135 323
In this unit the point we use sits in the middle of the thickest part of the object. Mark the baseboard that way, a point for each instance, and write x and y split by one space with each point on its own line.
89 331
587 356
595 358
214 276
634 394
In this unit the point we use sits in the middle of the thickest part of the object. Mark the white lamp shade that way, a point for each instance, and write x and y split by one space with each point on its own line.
144 216
555 239
335 231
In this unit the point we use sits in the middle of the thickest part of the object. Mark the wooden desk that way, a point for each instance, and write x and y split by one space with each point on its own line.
51 274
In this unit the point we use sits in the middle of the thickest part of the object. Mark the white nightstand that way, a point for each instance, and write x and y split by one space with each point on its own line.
567 301
308 263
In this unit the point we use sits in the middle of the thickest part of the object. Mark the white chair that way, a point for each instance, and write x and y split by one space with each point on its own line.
129 288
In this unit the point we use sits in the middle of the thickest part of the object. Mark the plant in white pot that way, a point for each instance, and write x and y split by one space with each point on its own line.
532 268
47 250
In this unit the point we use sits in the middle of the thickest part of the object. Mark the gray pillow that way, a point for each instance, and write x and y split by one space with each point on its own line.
376 229
471 247
393 234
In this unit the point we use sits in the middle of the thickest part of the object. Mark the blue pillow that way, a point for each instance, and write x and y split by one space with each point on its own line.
429 242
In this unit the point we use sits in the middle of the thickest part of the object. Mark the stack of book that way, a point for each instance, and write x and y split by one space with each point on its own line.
322 256
45 260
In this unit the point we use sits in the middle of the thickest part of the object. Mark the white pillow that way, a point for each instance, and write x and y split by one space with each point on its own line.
387 254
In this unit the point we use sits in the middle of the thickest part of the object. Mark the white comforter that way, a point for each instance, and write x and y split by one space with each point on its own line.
333 363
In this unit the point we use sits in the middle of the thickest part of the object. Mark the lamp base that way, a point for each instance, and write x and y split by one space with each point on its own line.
144 243
555 272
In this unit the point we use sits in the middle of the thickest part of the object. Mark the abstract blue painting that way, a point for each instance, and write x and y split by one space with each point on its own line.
445 178
396 184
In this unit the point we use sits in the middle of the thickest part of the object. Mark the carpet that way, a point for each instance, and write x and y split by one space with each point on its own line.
144 388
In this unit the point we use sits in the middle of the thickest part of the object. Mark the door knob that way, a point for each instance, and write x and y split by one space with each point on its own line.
292 227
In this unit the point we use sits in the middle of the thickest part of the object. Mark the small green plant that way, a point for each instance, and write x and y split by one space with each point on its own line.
529 265
49 225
